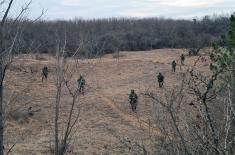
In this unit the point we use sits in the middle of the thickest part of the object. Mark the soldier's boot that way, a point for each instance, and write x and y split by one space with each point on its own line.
43 78
160 85
132 107
135 106
83 91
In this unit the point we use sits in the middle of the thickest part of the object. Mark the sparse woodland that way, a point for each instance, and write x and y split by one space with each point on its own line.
100 36
211 130
208 130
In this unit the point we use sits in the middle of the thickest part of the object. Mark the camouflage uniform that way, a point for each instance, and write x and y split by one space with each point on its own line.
160 78
173 65
182 58
44 73
81 84
133 99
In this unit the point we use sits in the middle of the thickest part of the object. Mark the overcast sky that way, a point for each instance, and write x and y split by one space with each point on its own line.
87 9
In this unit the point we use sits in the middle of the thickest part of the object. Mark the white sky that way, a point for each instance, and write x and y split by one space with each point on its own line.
87 9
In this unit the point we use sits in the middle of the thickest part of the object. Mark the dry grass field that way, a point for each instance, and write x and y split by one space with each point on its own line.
106 123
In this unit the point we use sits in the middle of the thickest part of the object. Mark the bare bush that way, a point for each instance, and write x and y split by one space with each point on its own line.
190 116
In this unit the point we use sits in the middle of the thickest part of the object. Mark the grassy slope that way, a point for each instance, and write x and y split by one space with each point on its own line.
106 117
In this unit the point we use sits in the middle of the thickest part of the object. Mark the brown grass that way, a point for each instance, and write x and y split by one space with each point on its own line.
105 111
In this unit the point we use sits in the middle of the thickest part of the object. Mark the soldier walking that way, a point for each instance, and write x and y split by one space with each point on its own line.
133 99
173 65
182 58
81 84
160 78
44 73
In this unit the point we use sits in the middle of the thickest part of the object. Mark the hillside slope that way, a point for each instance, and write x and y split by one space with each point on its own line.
106 123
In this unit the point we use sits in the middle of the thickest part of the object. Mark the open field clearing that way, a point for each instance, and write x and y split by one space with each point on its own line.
106 123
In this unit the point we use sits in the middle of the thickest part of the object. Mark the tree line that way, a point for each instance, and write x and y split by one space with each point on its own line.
101 36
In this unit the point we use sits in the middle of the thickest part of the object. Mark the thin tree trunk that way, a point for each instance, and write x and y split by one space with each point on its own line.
214 136
57 104
1 120
233 104
179 133
66 135
233 85
1 109
56 121
2 73
57 150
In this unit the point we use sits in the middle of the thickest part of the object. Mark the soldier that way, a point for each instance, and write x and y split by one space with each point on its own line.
173 65
160 78
44 73
182 58
133 99
81 84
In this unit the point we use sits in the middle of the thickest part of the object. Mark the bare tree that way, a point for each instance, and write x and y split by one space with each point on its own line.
171 105
9 39
195 124
5 60
64 83
3 68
